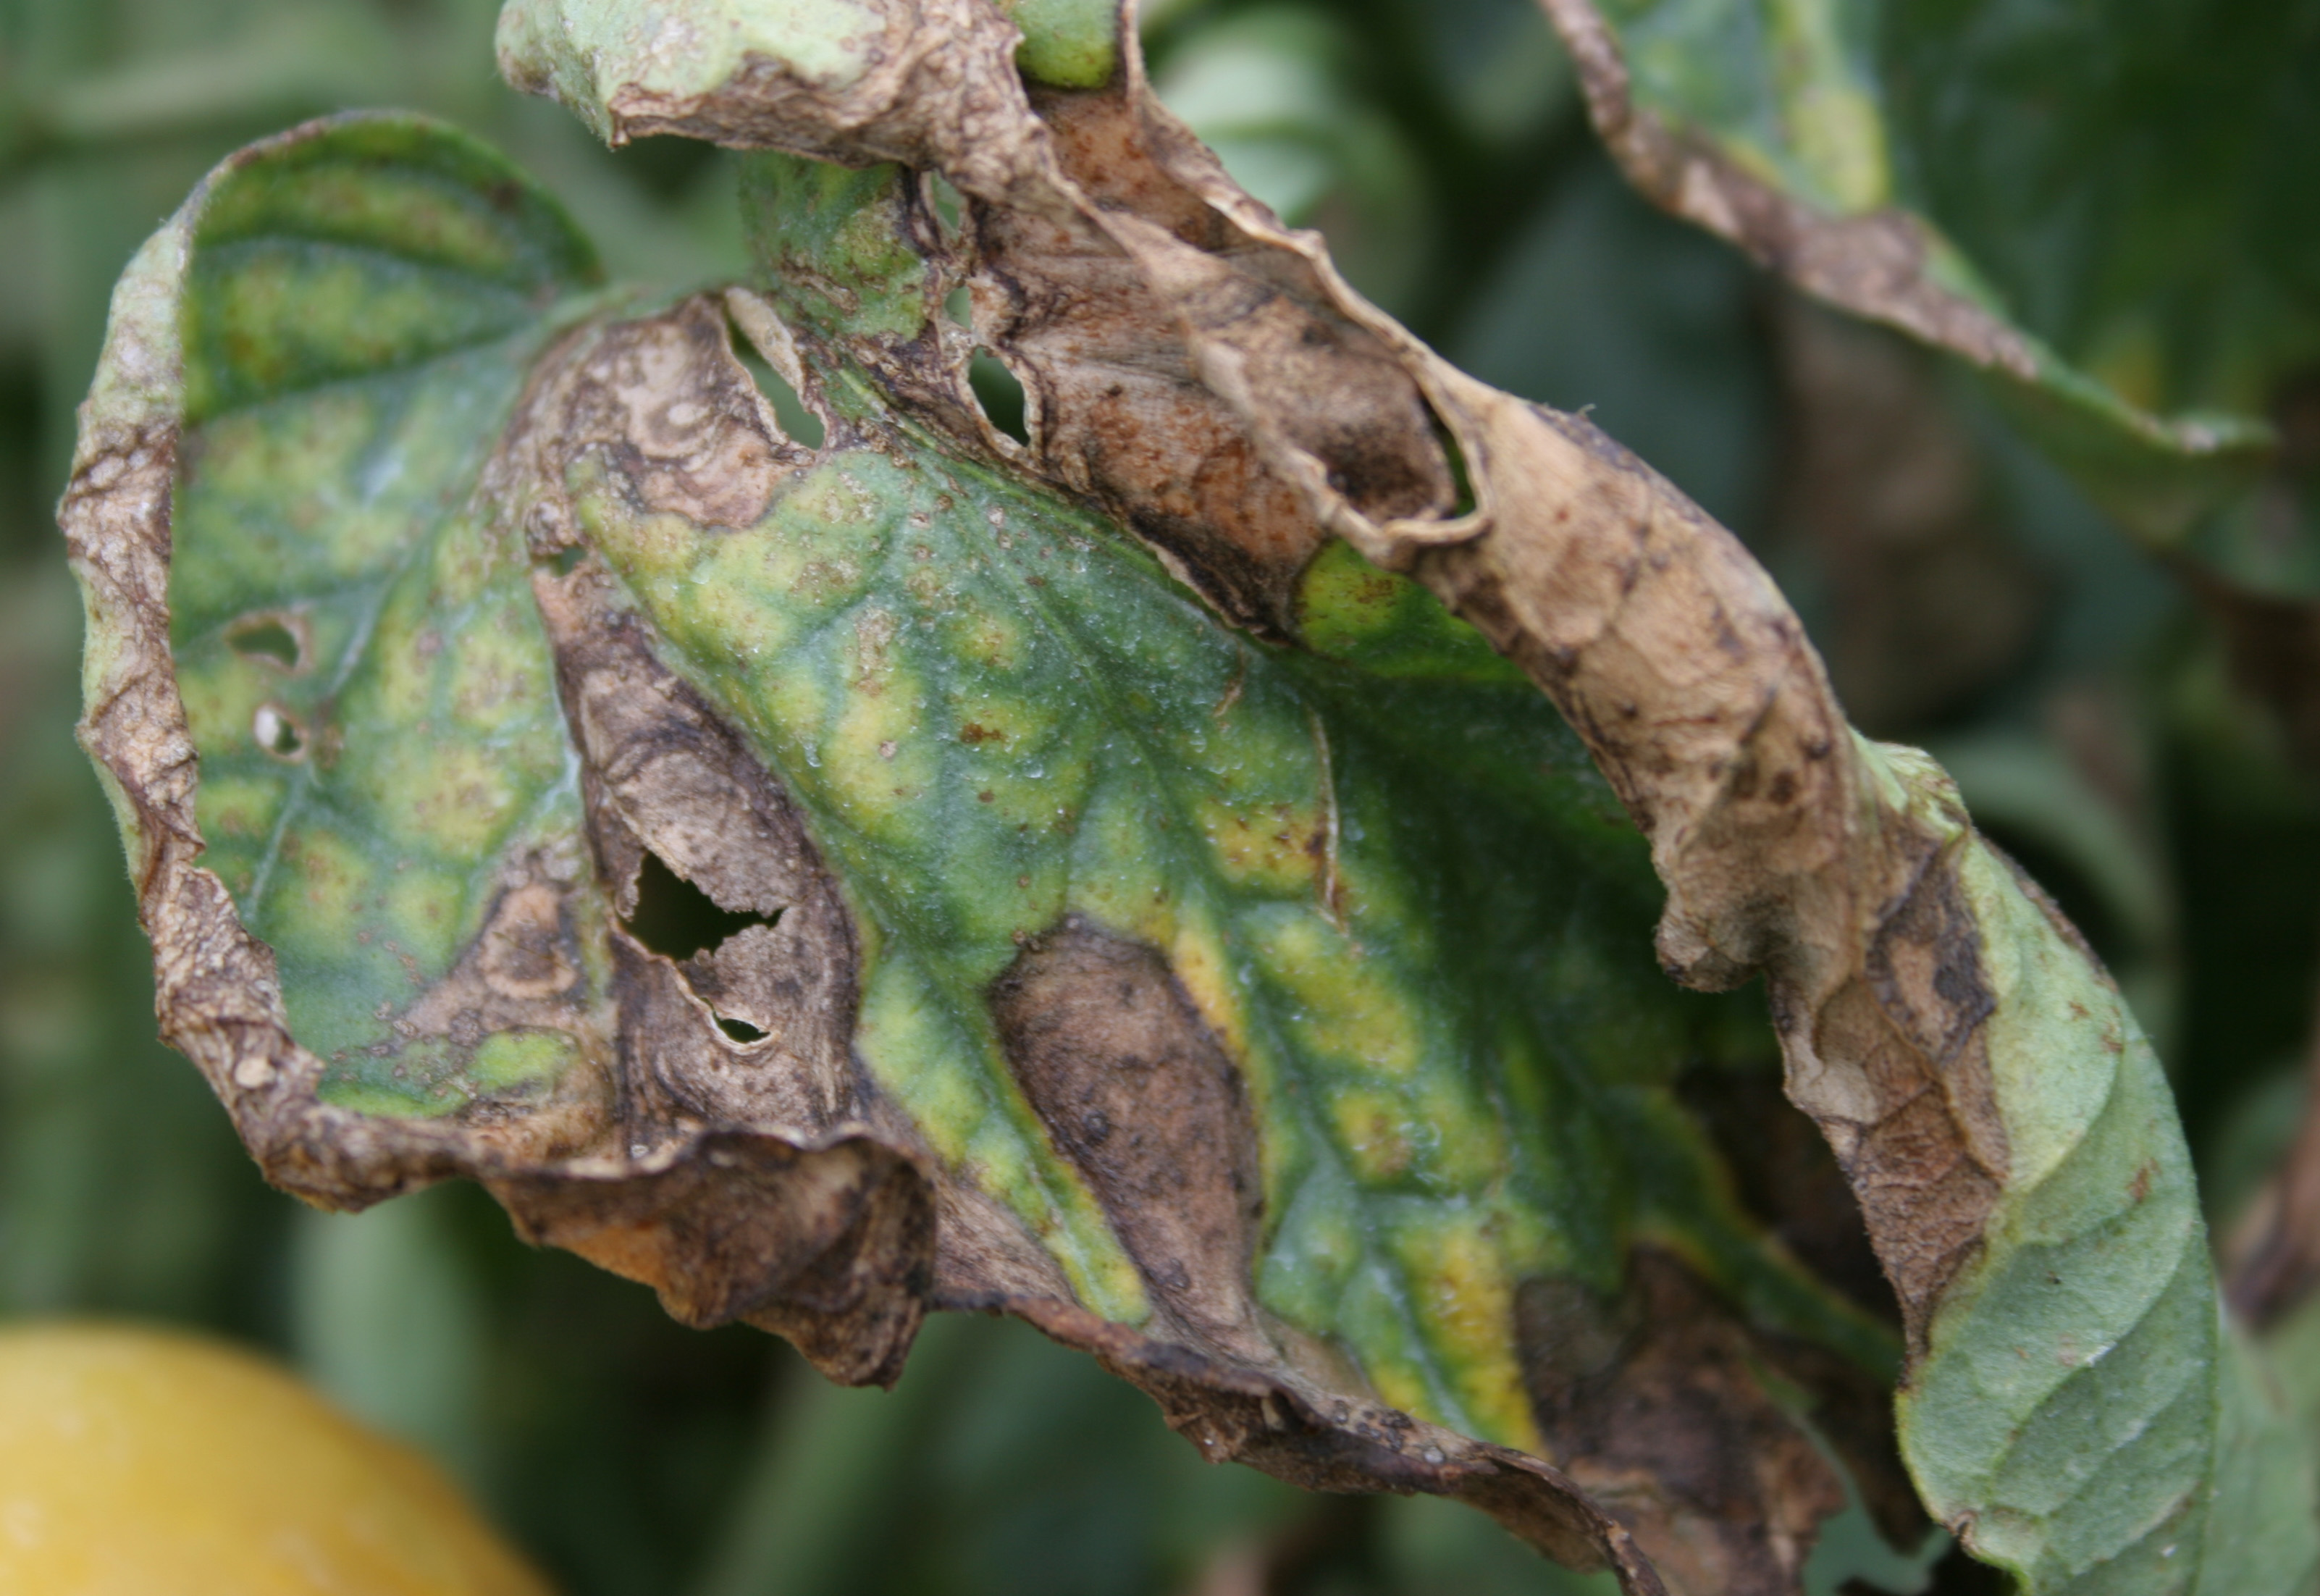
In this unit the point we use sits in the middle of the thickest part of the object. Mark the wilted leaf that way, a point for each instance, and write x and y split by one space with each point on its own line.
828 880
2109 220
2104 217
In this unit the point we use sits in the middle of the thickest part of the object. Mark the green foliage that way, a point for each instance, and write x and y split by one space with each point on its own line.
2082 1402
2128 199
364 674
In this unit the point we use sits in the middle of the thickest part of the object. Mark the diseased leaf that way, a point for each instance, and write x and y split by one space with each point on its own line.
1849 878
637 803
278 487
1074 874
2102 218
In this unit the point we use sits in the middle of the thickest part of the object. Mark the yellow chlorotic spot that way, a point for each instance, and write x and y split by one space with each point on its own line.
1004 727
829 496
1348 1008
1118 876
1281 848
304 459
1043 793
873 650
361 540
792 706
514 1060
998 891
1531 1243
916 1052
407 657
1103 1275
321 885
819 582
1262 758
1465 1147
462 564
878 790
221 699
238 808
459 798
365 197
1374 891
989 639
247 456
737 598
930 593
1344 600
424 908
1373 1127
500 670
1465 1307
136 1460
1197 955
648 548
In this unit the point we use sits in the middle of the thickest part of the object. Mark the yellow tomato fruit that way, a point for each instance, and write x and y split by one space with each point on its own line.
140 1463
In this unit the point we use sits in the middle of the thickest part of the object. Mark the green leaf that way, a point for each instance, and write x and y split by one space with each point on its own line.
2103 214
2081 1411
1066 42
1004 717
363 676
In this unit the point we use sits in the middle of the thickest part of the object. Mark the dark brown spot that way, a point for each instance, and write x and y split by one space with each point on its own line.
1650 1400
1137 1092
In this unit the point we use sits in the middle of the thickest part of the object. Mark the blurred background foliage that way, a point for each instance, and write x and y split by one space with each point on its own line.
1966 595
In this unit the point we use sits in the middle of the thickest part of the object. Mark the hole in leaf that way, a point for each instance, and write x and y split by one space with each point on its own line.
740 1030
677 920
958 305
1000 393
565 561
797 423
267 638
278 733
